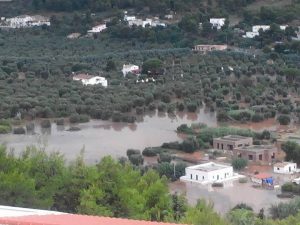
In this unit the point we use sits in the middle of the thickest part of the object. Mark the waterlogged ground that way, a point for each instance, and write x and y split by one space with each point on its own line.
227 197
101 138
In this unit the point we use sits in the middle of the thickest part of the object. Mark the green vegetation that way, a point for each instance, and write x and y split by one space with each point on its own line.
5 127
292 151
291 188
110 188
239 163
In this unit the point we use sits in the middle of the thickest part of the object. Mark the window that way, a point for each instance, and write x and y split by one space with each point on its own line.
273 155
250 157
203 178
240 145
191 176
196 177
260 157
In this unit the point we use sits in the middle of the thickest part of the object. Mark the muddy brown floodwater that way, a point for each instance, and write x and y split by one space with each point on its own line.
229 196
101 138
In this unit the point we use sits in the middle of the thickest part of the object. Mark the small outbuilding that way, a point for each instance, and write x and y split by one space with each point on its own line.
285 167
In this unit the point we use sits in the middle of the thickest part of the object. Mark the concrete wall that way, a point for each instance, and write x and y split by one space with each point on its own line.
215 175
223 144
288 169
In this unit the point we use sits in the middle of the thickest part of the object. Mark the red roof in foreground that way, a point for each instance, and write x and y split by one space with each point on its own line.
262 176
71 219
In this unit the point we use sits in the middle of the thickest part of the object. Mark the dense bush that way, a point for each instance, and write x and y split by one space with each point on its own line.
239 163
133 152
19 130
164 157
45 124
284 119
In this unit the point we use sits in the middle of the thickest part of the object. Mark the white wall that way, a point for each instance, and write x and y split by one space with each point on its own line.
288 169
215 175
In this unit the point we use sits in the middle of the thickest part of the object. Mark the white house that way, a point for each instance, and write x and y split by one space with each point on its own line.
97 29
251 34
285 167
90 80
130 68
27 21
129 18
157 23
208 173
256 28
169 16
217 22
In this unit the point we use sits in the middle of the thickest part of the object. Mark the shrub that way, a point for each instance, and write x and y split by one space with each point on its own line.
172 145
284 119
136 159
217 185
60 122
257 117
132 152
19 130
151 107
4 129
45 124
242 206
161 107
150 152
191 107
164 157
183 128
84 118
189 145
243 180
74 118
239 163
116 117
30 127
139 110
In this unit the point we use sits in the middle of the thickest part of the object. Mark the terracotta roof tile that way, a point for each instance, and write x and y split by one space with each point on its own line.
72 219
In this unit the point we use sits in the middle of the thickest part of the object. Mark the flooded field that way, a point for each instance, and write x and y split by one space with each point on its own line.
230 195
101 138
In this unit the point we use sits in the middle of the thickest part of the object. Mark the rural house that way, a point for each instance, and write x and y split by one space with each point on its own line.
257 153
90 80
285 167
208 48
230 142
130 68
208 172
97 29
217 22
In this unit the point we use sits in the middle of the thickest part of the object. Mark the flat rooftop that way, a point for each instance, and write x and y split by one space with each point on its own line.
233 138
257 148
207 167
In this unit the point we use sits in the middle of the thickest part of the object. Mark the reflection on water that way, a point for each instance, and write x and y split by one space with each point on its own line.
226 198
100 138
